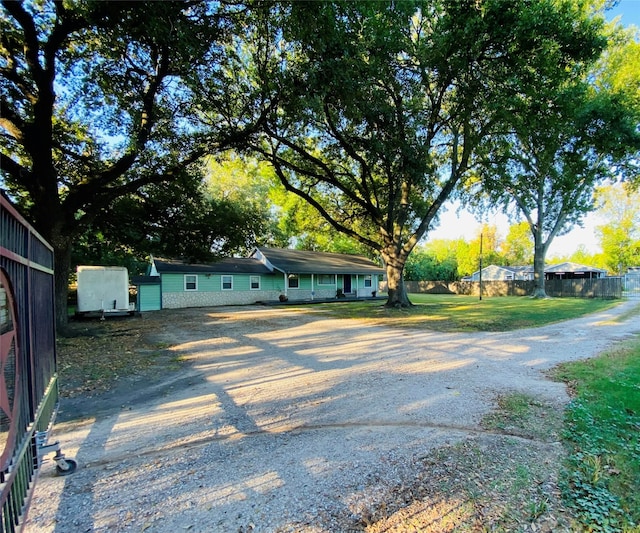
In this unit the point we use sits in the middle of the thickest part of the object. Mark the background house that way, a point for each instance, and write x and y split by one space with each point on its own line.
573 271
269 274
525 273
503 273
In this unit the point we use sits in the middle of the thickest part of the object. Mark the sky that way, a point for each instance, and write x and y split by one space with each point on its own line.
629 10
455 225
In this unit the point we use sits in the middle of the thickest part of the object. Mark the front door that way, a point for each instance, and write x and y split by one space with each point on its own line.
346 284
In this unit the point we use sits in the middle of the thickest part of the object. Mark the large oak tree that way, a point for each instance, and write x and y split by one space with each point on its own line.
101 100
381 105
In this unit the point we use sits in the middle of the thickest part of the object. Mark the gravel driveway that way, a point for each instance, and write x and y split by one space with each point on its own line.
286 421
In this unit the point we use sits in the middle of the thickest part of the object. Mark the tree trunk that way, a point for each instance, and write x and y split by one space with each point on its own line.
539 256
49 220
397 292
62 245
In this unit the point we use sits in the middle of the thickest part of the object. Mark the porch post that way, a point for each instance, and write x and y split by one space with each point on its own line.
286 283
312 286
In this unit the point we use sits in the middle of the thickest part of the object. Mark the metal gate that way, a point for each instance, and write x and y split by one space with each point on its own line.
28 378
632 285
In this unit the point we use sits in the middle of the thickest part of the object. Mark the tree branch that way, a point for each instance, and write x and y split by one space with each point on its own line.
78 199
19 173
31 44
10 73
11 122
327 175
323 212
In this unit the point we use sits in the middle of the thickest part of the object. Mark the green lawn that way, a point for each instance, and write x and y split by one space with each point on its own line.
442 312
602 425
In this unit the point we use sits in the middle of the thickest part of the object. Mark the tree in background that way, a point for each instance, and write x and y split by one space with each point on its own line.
620 235
302 227
252 186
517 247
618 73
562 143
177 222
432 262
489 240
449 260
100 101
381 105
445 254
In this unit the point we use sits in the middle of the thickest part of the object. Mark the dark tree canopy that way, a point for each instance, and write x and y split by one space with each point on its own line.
381 105
182 222
103 99
371 112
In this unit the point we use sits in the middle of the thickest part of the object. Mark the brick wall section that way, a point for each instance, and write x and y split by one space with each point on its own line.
177 300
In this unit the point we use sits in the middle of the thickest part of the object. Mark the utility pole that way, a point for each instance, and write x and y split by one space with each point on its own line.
480 265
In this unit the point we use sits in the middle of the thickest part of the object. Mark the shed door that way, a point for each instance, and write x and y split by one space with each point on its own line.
149 298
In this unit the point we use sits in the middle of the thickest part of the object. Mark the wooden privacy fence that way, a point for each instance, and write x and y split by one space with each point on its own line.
28 378
605 288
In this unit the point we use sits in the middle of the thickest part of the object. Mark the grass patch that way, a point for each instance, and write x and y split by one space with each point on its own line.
497 484
626 315
443 312
525 416
602 481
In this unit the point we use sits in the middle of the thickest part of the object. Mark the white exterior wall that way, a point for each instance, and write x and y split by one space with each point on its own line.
102 288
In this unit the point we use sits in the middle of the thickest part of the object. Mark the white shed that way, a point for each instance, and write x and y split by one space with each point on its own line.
103 289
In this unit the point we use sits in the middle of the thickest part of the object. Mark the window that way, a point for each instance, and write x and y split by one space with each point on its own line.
326 279
254 283
294 281
190 282
227 283
367 281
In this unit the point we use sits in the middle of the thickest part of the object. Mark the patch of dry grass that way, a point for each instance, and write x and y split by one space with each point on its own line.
93 355
488 482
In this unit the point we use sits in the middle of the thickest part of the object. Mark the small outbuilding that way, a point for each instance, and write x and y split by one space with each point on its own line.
103 290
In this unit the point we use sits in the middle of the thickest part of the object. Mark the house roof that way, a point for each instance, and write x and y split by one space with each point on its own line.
513 269
571 267
311 262
145 280
228 265
265 260
520 269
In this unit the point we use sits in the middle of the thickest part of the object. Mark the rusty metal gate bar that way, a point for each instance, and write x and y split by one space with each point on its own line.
28 378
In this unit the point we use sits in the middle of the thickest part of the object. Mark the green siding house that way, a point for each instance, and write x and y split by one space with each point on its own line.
269 274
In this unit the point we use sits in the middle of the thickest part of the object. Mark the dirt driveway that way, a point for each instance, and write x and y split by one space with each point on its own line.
285 421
